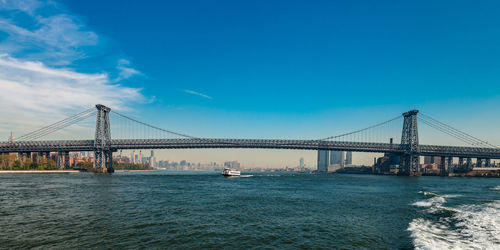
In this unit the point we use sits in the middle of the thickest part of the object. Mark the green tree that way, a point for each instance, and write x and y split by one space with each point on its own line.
17 165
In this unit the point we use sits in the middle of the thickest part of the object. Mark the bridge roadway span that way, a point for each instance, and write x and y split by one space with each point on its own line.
88 145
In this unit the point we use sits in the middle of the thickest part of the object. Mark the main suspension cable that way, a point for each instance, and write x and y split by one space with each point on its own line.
57 125
154 127
361 130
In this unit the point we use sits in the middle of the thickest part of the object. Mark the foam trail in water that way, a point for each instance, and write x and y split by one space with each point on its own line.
470 227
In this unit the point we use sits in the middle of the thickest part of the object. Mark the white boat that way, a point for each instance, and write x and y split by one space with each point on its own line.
230 172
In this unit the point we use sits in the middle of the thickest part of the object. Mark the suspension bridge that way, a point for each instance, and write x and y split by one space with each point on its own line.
130 133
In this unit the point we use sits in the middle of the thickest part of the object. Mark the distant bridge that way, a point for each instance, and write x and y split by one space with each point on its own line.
103 146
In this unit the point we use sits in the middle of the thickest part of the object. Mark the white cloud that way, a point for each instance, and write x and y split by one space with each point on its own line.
36 89
58 39
197 93
37 84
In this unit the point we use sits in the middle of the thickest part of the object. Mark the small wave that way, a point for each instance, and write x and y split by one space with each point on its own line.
432 199
470 227
427 194
497 188
246 176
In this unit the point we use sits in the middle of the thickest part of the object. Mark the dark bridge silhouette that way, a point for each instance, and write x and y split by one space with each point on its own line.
103 145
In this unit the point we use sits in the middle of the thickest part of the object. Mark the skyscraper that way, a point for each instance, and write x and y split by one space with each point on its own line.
301 164
323 160
152 160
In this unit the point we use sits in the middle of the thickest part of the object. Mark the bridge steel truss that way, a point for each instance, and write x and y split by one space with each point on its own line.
103 155
410 160
103 146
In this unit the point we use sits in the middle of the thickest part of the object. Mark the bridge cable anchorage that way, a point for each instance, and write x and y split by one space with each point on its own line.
57 126
361 130
154 127
458 134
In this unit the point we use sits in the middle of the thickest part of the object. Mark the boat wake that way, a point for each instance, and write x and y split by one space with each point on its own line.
497 188
463 227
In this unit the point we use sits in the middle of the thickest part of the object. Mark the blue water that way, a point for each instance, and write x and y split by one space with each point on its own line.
266 210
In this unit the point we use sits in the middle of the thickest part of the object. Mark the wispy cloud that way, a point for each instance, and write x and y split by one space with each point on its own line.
125 71
57 39
36 79
197 93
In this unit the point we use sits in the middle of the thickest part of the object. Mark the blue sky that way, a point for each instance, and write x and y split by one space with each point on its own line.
285 69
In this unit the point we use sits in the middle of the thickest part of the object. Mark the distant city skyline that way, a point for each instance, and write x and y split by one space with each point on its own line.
235 70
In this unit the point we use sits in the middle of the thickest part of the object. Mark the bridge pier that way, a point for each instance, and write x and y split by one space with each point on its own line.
110 162
443 171
66 160
469 164
487 163
461 163
410 165
59 161
450 164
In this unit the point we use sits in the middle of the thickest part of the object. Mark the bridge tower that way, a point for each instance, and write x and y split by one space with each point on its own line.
102 142
410 160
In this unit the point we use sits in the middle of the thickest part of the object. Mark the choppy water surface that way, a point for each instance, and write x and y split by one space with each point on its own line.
205 210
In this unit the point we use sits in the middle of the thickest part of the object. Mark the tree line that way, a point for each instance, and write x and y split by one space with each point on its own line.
116 165
11 162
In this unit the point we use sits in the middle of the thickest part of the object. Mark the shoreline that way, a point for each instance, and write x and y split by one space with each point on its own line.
59 171
37 171
134 170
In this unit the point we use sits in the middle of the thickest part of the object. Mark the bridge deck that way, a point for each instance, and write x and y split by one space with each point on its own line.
88 145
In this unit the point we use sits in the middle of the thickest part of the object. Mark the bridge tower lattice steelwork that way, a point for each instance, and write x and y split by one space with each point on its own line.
102 142
410 160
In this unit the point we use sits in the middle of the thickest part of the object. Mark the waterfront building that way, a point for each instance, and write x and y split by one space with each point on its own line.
301 163
432 160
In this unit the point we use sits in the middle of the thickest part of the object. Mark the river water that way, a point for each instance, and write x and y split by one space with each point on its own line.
263 210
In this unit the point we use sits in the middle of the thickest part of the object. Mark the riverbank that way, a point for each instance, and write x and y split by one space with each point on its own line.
134 170
37 171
